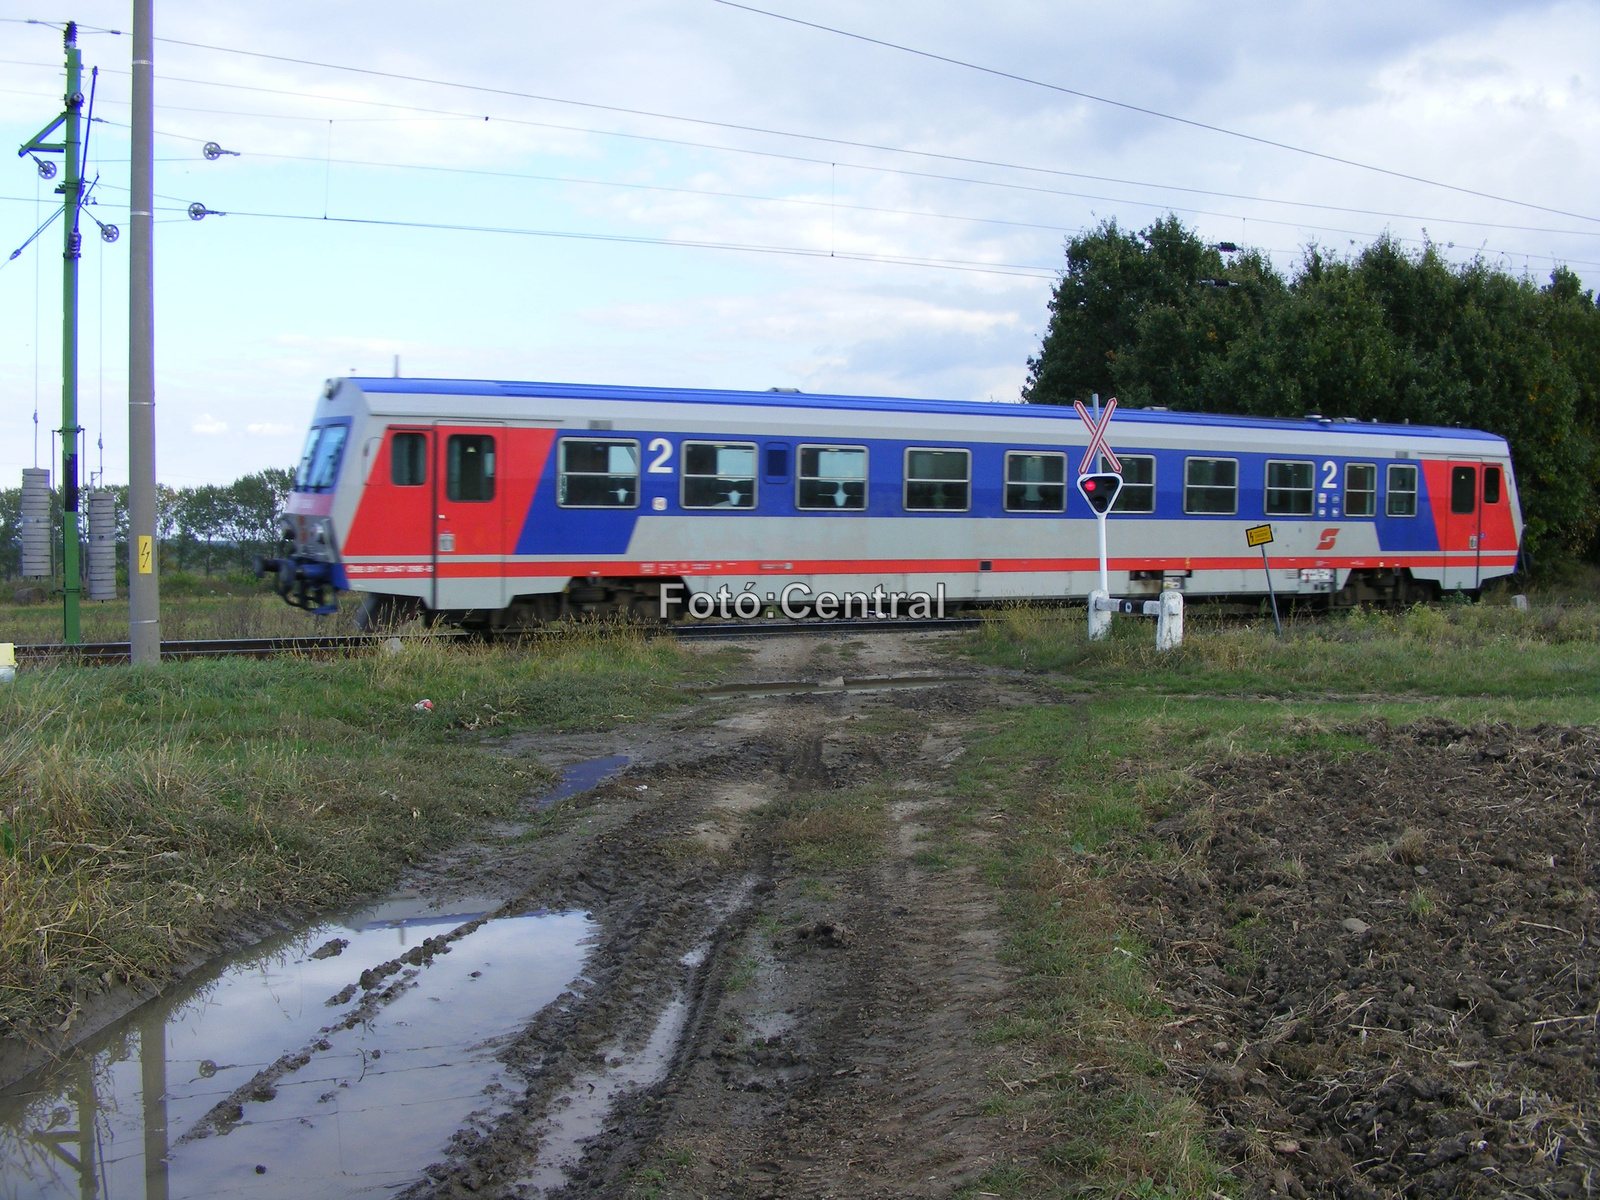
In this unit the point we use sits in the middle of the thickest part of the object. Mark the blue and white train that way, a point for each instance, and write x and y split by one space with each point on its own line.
493 504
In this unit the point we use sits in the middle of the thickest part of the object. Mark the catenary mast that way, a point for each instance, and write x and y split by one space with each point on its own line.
144 586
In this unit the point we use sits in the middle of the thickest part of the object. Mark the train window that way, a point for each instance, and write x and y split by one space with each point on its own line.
1463 489
408 459
777 469
719 475
832 477
1211 485
1491 485
1036 482
469 467
323 467
1290 488
1402 499
937 480
302 474
598 473
1360 490
1138 494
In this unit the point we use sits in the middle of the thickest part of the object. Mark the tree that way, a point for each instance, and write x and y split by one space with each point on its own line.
1386 334
258 503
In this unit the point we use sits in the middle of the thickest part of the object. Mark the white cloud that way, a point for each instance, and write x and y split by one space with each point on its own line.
255 312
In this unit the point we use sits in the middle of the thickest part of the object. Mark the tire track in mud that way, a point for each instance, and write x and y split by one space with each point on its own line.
825 1023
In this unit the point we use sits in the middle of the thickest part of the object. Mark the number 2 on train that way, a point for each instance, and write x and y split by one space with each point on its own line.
1330 476
662 449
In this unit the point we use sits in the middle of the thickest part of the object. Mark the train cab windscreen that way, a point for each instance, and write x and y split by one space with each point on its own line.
319 462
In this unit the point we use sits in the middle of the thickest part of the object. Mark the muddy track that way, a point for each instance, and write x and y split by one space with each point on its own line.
748 1025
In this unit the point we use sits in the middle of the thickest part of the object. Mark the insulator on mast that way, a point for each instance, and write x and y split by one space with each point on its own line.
36 523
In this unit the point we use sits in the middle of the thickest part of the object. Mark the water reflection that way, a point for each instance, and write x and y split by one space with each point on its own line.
375 1104
581 777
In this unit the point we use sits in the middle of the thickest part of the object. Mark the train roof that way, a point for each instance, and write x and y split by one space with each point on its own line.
820 400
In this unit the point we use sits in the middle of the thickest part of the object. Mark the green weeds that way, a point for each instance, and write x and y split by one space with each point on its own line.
1454 651
144 814
827 831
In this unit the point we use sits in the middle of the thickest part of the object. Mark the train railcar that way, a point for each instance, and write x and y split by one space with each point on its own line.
495 503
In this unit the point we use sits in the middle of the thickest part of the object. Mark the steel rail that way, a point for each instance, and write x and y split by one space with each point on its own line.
321 647
118 652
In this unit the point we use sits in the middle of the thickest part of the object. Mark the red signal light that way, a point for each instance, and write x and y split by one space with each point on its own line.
1100 490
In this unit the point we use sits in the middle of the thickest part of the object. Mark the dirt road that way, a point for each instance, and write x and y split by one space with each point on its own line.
774 1005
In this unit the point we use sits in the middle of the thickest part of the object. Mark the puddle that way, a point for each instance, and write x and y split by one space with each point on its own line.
582 776
364 1116
806 687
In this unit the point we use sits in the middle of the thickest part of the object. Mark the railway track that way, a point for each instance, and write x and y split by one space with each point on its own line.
110 653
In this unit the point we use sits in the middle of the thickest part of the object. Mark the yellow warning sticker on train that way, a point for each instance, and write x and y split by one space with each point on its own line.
1258 535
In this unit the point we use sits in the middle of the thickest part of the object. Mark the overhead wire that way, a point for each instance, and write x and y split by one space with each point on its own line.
768 132
1024 270
1150 112
1090 177
327 160
829 204
1029 270
1300 226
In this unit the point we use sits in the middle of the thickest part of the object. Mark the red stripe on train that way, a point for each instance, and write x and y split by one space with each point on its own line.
448 569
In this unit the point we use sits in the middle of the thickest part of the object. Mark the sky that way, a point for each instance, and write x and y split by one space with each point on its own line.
690 193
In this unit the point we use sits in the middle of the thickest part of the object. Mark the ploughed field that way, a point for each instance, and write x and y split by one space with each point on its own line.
1382 965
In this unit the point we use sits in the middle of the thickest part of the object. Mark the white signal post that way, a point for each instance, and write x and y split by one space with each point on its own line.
1101 489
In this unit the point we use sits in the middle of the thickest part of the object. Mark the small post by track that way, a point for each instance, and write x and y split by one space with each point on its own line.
1261 535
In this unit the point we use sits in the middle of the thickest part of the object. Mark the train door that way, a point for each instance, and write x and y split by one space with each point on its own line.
1463 528
469 531
407 511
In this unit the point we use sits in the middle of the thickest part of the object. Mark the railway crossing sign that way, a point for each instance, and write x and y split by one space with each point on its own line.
1097 438
1099 488
1258 535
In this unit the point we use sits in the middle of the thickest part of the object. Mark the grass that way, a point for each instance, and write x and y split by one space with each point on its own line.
742 974
828 831
1455 651
1422 903
144 815
220 607
1079 781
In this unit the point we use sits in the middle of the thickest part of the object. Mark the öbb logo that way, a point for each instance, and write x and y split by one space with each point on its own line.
1329 536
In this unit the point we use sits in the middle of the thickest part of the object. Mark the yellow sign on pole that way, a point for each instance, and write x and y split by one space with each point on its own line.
147 554
1258 535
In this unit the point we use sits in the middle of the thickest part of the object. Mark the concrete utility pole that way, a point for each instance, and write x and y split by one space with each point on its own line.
144 579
